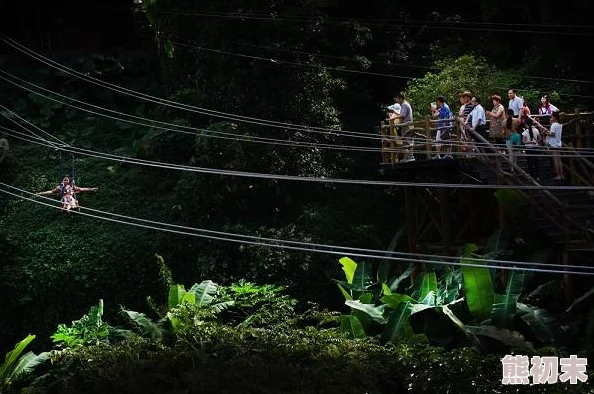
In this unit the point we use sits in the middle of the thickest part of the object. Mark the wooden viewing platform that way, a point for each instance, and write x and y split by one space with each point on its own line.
441 220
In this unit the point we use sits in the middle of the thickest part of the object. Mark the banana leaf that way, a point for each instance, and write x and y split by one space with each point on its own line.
428 288
349 267
449 286
512 339
204 292
398 325
8 367
394 300
505 307
478 286
352 327
374 312
395 282
361 278
545 327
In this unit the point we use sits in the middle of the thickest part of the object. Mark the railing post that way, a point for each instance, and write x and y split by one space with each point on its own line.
428 136
578 132
392 132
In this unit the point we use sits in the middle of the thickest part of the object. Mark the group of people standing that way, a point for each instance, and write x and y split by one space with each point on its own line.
517 127
508 128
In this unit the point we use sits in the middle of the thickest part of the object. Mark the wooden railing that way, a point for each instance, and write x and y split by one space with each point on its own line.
578 133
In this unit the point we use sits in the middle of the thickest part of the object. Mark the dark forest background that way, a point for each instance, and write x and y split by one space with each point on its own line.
322 63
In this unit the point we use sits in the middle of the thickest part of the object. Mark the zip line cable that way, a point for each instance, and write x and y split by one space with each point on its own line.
230 136
256 139
339 19
343 59
281 62
169 103
141 96
234 136
398 65
310 247
427 67
178 127
401 23
214 171
291 63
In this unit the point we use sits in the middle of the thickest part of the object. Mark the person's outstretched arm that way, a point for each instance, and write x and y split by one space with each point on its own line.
49 192
86 189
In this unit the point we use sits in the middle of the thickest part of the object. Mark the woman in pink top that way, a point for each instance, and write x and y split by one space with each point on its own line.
545 111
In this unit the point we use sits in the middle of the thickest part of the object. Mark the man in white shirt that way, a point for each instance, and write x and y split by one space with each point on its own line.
555 143
478 118
406 117
515 103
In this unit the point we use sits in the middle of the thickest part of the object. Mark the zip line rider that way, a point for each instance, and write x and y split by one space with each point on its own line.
67 192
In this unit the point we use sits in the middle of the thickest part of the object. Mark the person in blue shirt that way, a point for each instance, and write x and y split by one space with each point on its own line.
444 127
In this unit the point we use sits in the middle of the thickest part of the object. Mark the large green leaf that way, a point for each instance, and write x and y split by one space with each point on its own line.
349 267
428 289
362 278
545 327
505 307
352 327
449 286
374 312
8 368
452 316
148 328
175 296
29 361
204 292
395 282
398 325
345 293
512 339
394 300
478 286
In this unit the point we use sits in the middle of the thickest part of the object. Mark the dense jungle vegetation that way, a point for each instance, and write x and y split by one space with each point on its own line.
119 308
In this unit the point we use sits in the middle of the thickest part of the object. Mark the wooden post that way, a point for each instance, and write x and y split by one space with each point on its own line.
568 283
411 221
446 214
504 228
428 136
411 217
578 132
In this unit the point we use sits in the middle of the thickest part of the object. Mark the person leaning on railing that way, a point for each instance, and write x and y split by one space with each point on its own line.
511 132
553 141
497 117
406 118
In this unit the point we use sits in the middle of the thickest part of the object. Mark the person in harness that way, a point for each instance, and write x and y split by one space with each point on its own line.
68 191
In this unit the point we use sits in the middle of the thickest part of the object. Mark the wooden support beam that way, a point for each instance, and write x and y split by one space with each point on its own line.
446 226
411 219
411 222
504 228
